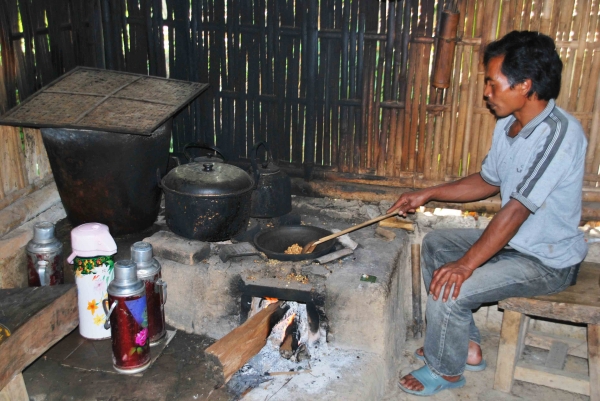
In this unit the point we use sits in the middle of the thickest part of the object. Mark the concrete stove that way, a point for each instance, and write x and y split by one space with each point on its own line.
212 297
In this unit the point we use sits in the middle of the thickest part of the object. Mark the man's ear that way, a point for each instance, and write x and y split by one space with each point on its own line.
524 87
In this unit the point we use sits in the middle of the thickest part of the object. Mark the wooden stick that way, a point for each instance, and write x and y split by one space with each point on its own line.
415 257
230 353
353 228
295 372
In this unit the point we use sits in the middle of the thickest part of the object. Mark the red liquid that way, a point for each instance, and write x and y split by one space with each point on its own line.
130 345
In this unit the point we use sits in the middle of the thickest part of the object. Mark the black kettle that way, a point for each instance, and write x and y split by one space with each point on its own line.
273 194
179 158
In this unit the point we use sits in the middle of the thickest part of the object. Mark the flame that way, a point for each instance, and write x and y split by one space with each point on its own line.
289 321
268 301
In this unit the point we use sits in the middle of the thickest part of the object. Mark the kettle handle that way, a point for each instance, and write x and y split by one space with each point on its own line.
203 146
253 153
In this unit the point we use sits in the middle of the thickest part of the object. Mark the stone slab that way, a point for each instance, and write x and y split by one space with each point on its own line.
171 246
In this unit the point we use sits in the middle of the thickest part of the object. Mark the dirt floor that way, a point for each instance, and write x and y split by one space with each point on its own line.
179 373
480 384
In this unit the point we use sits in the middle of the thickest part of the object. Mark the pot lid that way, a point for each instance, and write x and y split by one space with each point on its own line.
268 168
208 179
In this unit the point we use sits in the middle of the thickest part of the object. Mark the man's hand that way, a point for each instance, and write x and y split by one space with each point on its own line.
453 273
409 202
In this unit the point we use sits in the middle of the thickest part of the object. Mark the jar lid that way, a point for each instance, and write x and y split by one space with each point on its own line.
208 179
91 239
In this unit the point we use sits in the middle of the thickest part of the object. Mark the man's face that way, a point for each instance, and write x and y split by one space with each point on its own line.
499 96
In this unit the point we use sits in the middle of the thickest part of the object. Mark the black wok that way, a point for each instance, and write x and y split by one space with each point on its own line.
274 241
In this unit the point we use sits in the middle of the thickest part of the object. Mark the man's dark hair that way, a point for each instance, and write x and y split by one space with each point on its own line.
528 55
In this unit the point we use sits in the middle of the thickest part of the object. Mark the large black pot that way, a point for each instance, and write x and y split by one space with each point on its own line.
207 201
108 177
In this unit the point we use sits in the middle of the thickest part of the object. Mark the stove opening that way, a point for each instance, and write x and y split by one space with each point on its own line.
300 330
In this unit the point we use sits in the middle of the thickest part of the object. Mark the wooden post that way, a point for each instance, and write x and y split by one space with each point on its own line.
230 353
415 257
507 350
593 333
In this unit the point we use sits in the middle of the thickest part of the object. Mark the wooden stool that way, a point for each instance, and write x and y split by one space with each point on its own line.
578 304
32 320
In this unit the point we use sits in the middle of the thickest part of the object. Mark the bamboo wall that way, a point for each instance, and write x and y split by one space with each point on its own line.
343 85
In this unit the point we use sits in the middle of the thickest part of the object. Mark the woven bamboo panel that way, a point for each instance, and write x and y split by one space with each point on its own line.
106 101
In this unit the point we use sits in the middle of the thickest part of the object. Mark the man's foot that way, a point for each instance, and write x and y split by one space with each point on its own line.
424 382
474 357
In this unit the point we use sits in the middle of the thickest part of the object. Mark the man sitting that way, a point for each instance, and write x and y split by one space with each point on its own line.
532 245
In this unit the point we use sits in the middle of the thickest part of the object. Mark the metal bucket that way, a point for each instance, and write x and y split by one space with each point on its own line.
109 177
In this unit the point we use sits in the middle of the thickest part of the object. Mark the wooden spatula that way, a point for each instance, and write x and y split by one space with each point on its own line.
310 247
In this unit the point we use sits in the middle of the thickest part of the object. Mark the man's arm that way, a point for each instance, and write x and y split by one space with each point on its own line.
498 233
468 189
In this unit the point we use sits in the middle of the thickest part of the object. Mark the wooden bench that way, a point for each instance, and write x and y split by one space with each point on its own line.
577 304
31 321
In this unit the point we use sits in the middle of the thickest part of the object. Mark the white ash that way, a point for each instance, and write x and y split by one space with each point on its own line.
268 360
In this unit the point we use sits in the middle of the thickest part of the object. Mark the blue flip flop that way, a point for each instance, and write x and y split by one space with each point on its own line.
471 368
432 383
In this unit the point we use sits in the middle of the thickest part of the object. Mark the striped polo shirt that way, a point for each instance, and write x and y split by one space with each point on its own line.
542 167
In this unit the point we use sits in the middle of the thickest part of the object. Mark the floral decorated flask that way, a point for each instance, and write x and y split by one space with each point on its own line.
93 264
127 319
44 257
149 271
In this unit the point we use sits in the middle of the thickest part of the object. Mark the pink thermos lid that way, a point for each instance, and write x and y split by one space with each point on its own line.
91 239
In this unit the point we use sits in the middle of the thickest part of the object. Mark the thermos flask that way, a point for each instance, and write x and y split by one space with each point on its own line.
127 319
149 271
92 258
44 256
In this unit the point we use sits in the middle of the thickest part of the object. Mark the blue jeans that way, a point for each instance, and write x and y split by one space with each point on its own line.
509 273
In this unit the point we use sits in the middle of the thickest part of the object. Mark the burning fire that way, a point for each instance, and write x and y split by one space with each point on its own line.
289 321
268 301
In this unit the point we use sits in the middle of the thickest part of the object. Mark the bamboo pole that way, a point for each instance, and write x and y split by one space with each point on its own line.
409 105
423 147
469 109
584 8
589 74
438 143
12 162
546 17
412 140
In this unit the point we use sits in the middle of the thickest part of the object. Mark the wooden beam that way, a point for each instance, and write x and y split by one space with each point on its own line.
15 390
541 340
561 379
37 318
230 353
